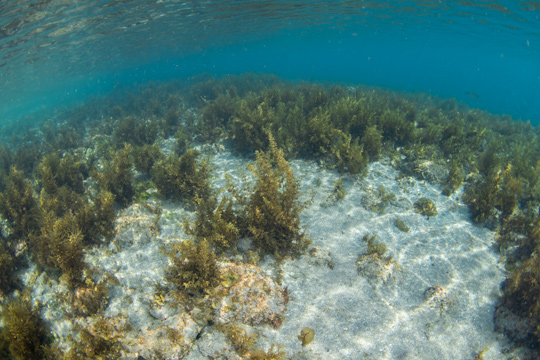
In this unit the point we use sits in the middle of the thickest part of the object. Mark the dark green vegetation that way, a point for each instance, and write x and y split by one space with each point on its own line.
271 207
24 336
182 178
374 248
61 181
426 207
194 268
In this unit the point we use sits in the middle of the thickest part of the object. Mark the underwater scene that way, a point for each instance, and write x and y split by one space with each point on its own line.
269 179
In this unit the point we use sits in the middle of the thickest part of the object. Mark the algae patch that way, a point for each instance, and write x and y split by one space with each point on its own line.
306 336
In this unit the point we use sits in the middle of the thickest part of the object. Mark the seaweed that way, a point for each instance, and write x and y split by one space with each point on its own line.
372 142
171 120
144 157
8 280
117 177
426 207
89 298
510 192
455 177
522 289
338 192
274 353
398 126
130 131
497 192
182 178
59 246
24 332
349 157
96 219
183 140
99 341
320 135
378 200
54 172
18 206
306 336
374 264
271 206
401 225
376 248
216 222
240 339
250 126
194 267
216 115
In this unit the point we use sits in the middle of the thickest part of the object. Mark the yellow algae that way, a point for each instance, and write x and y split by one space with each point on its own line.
230 278
306 336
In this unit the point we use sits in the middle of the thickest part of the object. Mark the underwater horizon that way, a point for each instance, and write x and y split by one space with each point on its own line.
55 54
251 180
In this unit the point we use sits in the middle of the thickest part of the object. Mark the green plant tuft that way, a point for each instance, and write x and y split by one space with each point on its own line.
194 267
182 178
271 206
24 332
117 177
18 206
426 207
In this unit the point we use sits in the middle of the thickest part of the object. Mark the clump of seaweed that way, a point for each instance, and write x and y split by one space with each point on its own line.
372 142
455 178
522 289
96 219
182 178
240 339
117 177
144 157
349 156
254 119
374 264
426 207
376 248
377 200
216 115
216 222
54 172
338 192
59 246
89 298
24 333
498 192
271 206
101 340
400 224
306 336
8 280
194 267
18 206
138 133
274 353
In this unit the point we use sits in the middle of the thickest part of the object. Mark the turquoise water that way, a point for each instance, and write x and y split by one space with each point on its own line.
55 54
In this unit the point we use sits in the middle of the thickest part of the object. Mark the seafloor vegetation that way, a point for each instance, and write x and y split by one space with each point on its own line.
63 180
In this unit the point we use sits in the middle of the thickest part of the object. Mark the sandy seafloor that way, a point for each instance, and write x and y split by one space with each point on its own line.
435 302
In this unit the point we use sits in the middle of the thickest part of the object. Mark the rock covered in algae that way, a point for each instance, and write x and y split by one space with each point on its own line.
249 296
401 225
137 224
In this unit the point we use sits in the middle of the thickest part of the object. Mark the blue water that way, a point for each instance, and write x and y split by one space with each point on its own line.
56 54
